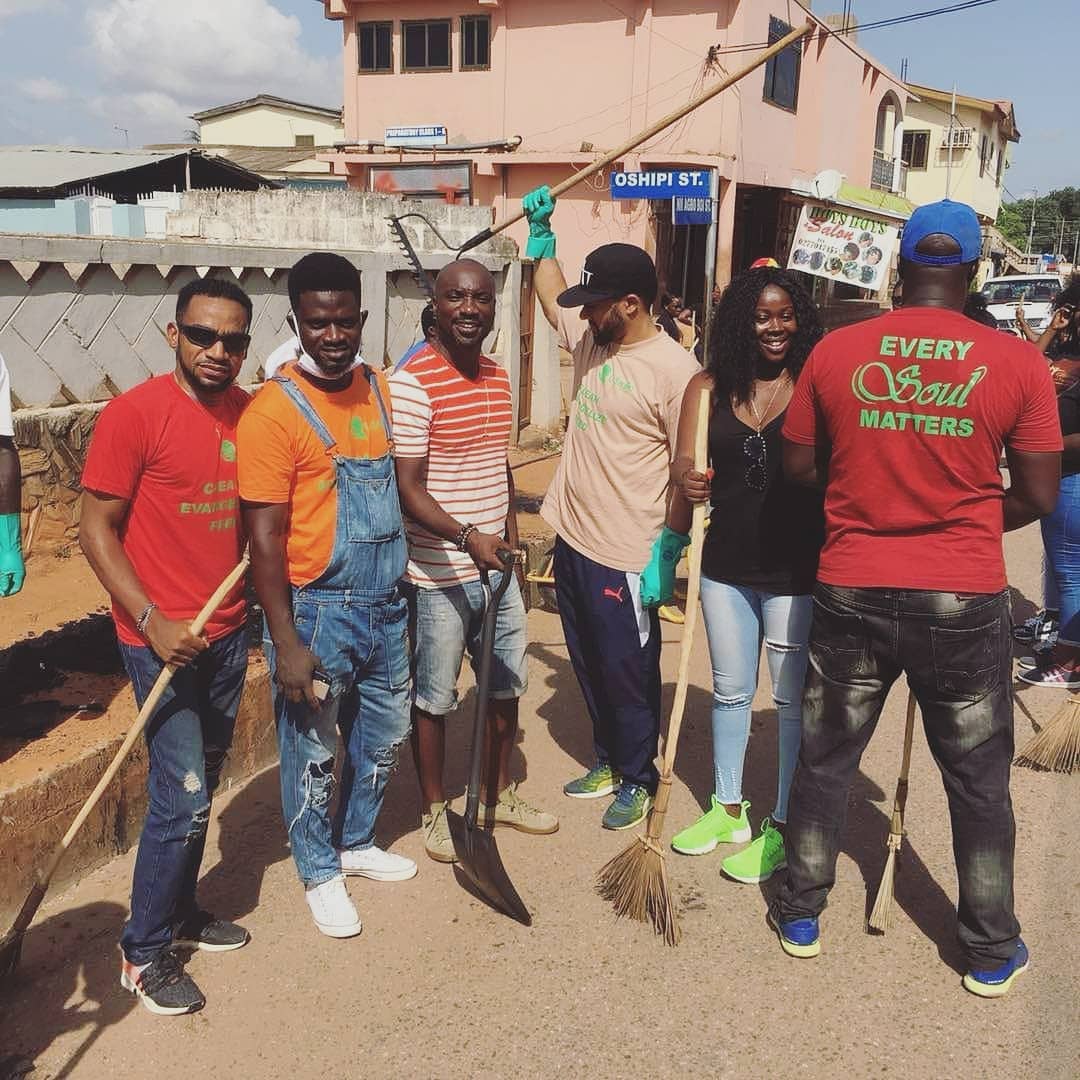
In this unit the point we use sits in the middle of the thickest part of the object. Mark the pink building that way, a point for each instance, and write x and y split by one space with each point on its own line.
528 91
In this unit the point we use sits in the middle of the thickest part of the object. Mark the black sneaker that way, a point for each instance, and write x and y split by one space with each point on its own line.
163 986
202 931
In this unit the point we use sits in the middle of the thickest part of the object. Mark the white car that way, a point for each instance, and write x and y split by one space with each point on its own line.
1033 292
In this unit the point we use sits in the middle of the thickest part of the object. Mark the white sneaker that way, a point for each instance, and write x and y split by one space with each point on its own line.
332 909
377 864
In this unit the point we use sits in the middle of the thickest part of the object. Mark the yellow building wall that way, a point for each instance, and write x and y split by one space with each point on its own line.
966 185
266 125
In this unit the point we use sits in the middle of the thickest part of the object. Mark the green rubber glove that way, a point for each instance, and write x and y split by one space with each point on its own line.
658 578
539 206
12 571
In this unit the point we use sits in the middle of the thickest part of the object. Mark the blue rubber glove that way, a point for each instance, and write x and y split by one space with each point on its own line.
539 206
12 571
658 578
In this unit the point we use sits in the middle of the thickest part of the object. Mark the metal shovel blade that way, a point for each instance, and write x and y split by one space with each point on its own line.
479 860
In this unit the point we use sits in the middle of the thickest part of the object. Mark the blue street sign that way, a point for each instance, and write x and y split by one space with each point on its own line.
661 184
692 210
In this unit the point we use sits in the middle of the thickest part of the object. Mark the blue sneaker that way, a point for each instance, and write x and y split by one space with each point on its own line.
798 937
997 981
630 805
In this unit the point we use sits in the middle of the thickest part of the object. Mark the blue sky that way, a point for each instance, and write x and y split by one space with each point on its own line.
79 71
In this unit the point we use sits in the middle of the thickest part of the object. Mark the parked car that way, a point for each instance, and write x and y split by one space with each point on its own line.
1034 292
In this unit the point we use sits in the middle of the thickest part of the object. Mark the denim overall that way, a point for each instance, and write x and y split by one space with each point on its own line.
354 618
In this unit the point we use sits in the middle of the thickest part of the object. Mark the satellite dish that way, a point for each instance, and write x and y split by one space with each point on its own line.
827 183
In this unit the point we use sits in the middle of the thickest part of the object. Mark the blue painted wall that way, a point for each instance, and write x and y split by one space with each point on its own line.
69 217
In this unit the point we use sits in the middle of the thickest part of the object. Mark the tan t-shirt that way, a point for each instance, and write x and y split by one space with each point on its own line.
609 495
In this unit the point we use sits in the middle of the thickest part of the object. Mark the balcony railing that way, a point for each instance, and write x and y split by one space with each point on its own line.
881 174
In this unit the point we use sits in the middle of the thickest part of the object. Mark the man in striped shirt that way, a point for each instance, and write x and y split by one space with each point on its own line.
452 420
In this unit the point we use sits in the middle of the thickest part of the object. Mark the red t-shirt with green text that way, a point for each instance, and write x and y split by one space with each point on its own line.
174 460
917 405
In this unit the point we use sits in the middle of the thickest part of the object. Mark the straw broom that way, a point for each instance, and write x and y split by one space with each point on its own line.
11 942
881 914
1056 746
636 881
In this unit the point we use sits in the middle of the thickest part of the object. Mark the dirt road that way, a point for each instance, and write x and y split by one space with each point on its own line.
439 986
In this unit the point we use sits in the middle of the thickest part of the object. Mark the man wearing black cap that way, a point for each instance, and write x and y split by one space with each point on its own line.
911 411
608 499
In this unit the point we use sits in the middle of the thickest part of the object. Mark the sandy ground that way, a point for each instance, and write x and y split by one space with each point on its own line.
60 587
439 986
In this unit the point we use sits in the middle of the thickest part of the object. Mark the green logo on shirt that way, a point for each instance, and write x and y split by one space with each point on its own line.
358 428
228 450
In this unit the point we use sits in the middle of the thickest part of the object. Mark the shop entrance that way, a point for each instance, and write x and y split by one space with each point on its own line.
680 257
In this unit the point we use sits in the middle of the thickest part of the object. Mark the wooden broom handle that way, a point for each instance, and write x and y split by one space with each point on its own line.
896 826
693 587
653 129
197 626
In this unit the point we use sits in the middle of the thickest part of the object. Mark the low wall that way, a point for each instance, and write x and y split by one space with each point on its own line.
39 802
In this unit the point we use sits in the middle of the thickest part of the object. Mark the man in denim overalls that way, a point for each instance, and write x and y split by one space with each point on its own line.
327 551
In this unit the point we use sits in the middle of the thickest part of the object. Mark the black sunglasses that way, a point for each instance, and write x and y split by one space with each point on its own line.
754 449
203 337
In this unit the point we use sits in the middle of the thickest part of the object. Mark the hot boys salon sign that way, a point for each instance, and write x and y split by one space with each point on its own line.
844 245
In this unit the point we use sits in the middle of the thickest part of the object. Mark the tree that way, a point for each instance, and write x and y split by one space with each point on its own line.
1051 210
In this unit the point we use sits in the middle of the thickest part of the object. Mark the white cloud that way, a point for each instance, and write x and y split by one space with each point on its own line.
43 90
207 52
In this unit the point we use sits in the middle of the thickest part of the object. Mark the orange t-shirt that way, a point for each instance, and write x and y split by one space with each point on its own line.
282 460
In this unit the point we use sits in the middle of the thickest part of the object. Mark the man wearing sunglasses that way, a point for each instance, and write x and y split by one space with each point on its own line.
327 554
608 499
161 528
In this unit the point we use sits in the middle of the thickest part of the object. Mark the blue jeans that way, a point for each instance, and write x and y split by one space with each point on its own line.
446 621
956 652
1061 537
363 646
737 618
188 736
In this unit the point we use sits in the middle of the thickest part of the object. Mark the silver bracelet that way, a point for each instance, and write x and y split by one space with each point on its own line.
144 617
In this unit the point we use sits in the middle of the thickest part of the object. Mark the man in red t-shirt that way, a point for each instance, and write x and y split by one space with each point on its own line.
160 527
911 411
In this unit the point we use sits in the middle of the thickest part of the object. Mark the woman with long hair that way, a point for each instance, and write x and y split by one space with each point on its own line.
761 548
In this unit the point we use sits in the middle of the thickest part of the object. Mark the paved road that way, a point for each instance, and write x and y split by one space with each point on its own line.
438 986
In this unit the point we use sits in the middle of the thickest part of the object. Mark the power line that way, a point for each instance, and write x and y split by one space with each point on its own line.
880 24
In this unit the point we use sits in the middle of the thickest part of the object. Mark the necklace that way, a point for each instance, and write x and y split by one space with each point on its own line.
760 418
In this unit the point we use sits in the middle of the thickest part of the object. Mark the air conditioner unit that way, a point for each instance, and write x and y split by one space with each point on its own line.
961 138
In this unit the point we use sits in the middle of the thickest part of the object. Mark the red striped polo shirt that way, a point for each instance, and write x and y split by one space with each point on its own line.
462 426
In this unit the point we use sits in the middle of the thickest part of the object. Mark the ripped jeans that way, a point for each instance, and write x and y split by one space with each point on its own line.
187 738
737 619
363 646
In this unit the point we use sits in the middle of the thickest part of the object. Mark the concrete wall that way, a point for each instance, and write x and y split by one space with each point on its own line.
269 125
82 320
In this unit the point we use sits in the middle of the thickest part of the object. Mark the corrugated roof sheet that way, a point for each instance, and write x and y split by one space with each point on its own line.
35 167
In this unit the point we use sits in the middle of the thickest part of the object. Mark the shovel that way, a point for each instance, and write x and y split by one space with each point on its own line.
477 854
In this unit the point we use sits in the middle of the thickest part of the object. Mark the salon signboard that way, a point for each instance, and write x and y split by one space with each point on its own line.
843 244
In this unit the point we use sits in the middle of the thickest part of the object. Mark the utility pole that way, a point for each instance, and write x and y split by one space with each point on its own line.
1061 238
1031 231
948 168
1076 245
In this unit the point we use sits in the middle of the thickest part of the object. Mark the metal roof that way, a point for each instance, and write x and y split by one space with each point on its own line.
44 169
271 101
36 167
